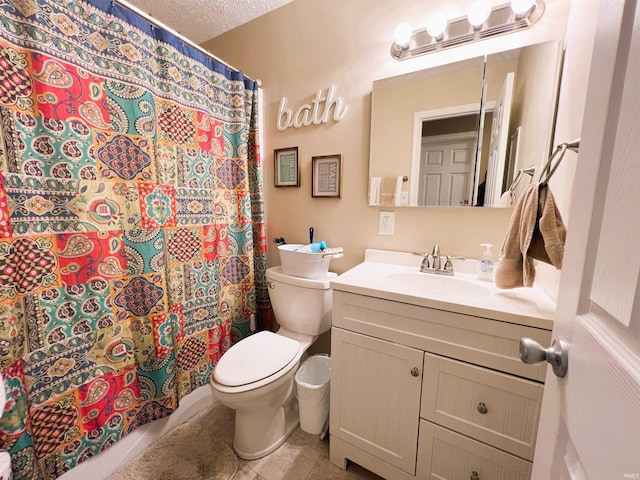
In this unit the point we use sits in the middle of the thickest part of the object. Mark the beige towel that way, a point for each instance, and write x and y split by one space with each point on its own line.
535 231
508 199
547 243
390 190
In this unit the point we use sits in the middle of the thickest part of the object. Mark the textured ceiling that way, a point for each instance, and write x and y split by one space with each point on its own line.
201 20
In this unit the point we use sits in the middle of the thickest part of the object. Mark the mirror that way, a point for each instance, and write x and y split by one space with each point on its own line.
459 134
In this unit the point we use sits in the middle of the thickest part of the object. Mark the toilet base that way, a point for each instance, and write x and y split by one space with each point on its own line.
282 424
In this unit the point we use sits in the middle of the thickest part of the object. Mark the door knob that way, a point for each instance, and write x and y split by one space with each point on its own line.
557 355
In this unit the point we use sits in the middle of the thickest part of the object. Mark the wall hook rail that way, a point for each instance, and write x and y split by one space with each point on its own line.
561 149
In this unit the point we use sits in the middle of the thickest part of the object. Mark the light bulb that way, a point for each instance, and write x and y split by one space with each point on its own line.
436 25
402 35
479 11
522 7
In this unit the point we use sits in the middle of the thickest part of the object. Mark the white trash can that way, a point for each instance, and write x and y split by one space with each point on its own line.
312 390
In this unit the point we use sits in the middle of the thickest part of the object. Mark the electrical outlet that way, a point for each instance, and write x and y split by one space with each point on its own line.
385 223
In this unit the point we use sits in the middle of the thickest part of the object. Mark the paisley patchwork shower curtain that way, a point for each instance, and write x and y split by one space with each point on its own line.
132 243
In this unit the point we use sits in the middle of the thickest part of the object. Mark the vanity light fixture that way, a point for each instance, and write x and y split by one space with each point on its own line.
522 8
437 25
479 11
481 22
402 35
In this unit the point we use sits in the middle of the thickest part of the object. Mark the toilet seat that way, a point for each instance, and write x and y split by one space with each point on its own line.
255 358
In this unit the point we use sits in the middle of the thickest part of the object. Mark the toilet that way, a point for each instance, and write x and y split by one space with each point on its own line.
255 377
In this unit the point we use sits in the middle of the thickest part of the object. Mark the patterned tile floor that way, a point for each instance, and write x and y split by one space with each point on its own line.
301 457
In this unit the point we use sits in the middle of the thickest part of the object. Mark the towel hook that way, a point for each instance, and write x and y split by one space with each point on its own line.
548 169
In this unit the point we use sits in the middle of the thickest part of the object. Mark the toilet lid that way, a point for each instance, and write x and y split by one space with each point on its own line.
254 358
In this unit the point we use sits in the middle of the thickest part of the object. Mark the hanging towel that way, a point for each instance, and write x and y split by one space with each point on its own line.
374 190
398 192
508 199
391 191
547 243
535 231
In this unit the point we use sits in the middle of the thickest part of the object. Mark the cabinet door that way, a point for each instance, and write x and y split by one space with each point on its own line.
375 396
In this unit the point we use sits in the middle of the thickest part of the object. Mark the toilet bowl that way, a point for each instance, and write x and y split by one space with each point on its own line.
255 377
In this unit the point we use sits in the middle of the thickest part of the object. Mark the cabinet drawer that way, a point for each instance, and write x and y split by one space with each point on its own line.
492 407
446 455
482 341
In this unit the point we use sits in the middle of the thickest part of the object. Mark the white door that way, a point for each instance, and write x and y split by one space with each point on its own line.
446 169
498 144
590 427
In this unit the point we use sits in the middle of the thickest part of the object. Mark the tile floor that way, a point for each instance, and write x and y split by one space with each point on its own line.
301 457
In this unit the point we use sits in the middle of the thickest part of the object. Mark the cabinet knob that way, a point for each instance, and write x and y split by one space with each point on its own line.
474 476
415 371
482 408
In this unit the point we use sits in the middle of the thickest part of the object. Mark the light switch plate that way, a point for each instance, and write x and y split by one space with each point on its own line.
385 223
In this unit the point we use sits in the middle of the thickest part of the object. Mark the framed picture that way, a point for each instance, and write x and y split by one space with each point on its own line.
325 176
286 167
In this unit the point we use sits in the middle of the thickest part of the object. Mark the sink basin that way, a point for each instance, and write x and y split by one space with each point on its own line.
417 283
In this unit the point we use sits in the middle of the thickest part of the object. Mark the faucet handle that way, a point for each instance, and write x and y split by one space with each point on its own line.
448 266
426 262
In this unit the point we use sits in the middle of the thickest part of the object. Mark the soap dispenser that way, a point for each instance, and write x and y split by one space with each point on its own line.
486 264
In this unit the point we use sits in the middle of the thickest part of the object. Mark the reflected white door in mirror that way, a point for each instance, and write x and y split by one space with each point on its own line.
444 156
446 169
498 145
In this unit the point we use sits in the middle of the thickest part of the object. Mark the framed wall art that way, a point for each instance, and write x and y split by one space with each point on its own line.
286 167
325 176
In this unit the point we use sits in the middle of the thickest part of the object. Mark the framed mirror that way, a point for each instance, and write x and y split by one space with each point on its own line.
459 134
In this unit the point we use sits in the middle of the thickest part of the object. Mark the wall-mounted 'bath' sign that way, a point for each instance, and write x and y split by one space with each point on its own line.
316 113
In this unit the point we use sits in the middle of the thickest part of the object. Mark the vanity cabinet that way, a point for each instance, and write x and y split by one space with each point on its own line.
425 393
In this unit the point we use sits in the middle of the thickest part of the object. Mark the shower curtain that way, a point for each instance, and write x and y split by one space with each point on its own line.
132 242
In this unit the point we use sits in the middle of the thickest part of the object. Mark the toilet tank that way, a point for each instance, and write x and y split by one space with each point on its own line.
301 305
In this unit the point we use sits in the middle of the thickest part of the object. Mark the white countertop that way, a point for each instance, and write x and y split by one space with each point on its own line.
523 306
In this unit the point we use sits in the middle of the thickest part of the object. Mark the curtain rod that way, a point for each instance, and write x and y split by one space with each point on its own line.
155 22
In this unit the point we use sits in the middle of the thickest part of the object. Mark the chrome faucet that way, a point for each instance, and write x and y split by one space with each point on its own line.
436 257
432 263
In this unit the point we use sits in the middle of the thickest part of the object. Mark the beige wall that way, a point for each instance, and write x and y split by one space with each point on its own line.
531 111
309 45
